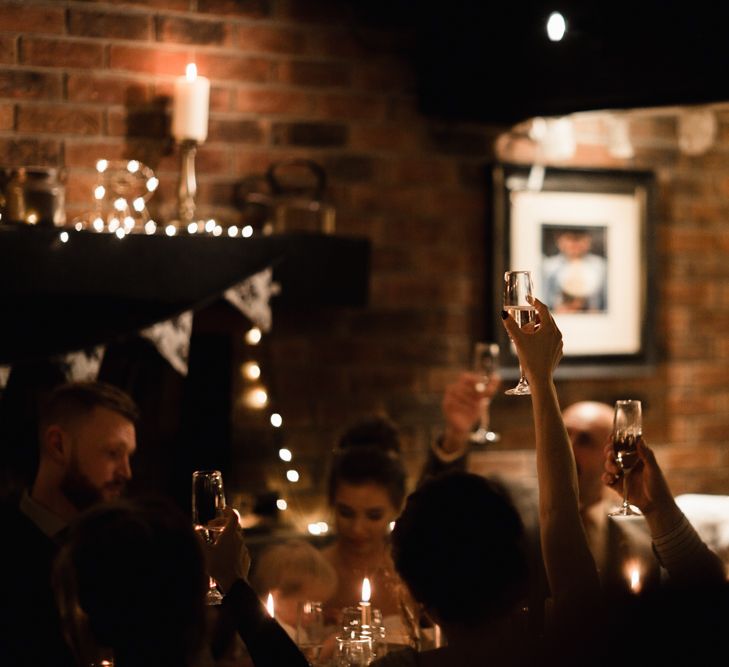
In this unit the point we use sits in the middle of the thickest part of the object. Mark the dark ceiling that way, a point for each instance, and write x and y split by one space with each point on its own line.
492 61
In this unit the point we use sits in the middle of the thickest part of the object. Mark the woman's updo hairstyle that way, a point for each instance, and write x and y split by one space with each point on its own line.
369 452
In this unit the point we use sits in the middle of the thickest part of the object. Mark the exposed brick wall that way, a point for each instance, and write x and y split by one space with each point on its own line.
300 78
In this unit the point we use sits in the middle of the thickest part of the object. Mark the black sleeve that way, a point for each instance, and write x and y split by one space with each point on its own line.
433 466
266 641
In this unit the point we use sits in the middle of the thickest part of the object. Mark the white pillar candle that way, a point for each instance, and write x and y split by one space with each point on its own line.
190 106
365 605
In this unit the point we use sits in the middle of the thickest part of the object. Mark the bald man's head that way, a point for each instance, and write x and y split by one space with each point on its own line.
589 425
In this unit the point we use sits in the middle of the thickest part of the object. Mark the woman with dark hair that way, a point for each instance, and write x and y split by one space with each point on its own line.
459 543
366 492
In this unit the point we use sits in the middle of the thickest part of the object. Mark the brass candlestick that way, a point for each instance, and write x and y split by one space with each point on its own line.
187 188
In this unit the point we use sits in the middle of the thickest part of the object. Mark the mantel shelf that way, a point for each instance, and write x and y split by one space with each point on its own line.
94 288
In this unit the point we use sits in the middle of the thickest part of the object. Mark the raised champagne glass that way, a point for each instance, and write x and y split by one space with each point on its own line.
517 287
485 366
627 429
208 503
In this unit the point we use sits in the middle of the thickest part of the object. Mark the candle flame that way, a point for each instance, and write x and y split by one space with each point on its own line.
191 72
366 590
269 605
632 571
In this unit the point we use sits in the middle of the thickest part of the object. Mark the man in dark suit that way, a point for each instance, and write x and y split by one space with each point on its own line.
86 438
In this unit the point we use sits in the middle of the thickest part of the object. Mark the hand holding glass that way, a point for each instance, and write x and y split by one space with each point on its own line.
208 503
627 429
485 365
517 302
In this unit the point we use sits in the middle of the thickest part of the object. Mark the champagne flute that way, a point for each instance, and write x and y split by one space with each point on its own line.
310 630
517 287
208 503
627 429
485 365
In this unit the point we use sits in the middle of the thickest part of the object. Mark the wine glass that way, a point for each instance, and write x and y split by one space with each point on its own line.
310 630
485 365
517 287
354 652
627 429
208 503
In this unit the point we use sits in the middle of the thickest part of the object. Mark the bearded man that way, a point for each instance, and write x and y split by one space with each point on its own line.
86 437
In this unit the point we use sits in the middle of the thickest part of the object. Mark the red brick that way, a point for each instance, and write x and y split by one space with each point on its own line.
19 152
350 106
60 53
58 120
236 68
310 134
110 25
84 153
235 131
30 85
80 189
105 89
419 170
7 116
320 74
388 138
268 39
188 31
19 17
287 102
148 60
151 122
8 50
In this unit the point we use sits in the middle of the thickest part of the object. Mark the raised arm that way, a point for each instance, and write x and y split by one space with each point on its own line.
570 567
675 541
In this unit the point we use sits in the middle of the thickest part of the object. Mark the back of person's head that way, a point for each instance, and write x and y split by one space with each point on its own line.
459 545
369 452
132 575
73 400
296 570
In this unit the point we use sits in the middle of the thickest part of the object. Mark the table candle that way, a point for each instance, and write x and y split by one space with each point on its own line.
190 106
269 605
632 573
364 604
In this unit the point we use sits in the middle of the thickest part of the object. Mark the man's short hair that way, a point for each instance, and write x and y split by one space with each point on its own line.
76 399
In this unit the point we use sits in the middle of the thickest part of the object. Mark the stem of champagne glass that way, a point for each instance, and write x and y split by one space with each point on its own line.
626 505
485 417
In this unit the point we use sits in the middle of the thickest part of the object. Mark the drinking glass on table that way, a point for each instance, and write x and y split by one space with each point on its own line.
517 287
485 365
627 429
310 630
208 503
354 652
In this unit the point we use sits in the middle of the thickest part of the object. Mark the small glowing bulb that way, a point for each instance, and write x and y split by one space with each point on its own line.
120 233
128 223
98 224
192 228
232 231
99 192
556 27
210 225
323 527
191 75
276 420
253 336
285 454
282 504
247 232
251 370
152 183
150 227
170 230
314 529
292 476
392 526
133 166
31 218
101 166
269 600
218 230
79 226
256 398
139 204
113 224
64 237
120 204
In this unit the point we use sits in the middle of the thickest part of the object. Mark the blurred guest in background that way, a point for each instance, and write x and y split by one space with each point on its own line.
366 492
86 439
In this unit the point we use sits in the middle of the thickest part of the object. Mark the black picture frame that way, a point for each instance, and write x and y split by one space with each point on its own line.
611 212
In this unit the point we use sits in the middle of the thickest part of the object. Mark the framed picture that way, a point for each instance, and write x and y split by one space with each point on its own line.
586 236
